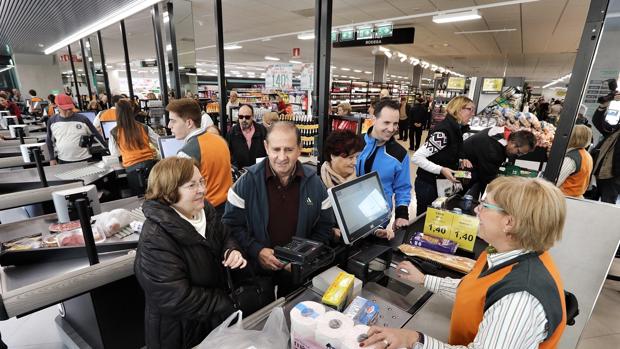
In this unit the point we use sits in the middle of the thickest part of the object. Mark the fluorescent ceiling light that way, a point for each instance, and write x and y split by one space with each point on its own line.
305 36
270 58
486 31
122 13
345 69
557 80
457 16
232 47
368 72
357 70
383 49
335 75
295 62
169 47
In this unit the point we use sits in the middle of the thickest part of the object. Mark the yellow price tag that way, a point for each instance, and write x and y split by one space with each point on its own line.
459 228
438 223
464 231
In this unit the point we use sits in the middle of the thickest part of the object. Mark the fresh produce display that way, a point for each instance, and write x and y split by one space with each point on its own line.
515 121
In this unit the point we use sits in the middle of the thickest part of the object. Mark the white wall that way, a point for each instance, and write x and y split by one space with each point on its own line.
38 72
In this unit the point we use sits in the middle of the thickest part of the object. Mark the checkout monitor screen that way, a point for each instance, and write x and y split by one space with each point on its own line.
360 207
106 127
90 115
169 146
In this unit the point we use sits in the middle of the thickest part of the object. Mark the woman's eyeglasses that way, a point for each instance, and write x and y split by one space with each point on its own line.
195 185
489 206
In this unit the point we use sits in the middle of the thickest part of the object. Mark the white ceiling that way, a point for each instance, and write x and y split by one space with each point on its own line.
542 48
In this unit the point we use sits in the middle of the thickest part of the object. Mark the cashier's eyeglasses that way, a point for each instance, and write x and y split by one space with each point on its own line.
484 204
193 186
247 117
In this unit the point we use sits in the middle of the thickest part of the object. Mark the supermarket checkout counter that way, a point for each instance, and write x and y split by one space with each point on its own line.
409 306
12 180
101 305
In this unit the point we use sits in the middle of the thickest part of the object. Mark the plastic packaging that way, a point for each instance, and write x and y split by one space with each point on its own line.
304 318
75 238
337 293
274 334
110 223
363 311
332 328
433 243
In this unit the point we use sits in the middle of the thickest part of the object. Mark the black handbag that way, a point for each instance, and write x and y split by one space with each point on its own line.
251 293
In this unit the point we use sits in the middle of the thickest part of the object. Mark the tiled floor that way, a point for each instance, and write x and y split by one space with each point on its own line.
39 330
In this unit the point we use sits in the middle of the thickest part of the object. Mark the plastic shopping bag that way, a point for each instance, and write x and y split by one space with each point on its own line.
274 335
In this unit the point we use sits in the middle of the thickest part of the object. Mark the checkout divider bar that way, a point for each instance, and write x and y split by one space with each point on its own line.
56 289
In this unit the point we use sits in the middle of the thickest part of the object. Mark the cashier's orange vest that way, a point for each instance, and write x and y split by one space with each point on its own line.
577 183
108 115
479 289
133 156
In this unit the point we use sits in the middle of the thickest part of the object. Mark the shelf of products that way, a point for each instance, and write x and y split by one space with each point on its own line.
360 94
358 123
309 129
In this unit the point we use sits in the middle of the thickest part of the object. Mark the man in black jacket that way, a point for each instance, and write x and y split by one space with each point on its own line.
488 149
246 140
276 199
418 121
607 159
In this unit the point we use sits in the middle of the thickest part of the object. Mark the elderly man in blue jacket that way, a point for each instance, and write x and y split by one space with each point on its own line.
276 199
389 159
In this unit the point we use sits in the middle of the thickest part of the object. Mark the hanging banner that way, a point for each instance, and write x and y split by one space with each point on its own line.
306 79
279 77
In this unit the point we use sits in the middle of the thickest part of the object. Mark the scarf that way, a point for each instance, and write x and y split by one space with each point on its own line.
331 178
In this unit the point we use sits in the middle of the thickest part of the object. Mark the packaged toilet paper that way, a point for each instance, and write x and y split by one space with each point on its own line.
332 328
304 318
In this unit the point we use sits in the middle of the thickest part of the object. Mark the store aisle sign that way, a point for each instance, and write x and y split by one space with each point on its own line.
306 79
460 228
279 76
456 83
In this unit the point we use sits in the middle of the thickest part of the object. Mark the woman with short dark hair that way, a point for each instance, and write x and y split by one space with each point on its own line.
181 256
341 151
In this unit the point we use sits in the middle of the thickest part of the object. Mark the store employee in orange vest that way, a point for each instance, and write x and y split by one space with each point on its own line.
108 114
577 166
513 297
210 150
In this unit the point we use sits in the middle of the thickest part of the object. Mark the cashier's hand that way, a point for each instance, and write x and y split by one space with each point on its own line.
234 260
53 162
390 338
413 274
268 260
384 233
448 173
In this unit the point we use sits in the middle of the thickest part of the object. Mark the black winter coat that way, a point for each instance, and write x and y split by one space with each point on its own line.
182 276
240 155
419 115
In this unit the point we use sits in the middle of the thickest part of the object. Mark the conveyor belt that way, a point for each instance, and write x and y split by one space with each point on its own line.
81 172
136 215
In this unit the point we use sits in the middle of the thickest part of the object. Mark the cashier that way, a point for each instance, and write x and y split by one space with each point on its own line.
276 199
513 297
